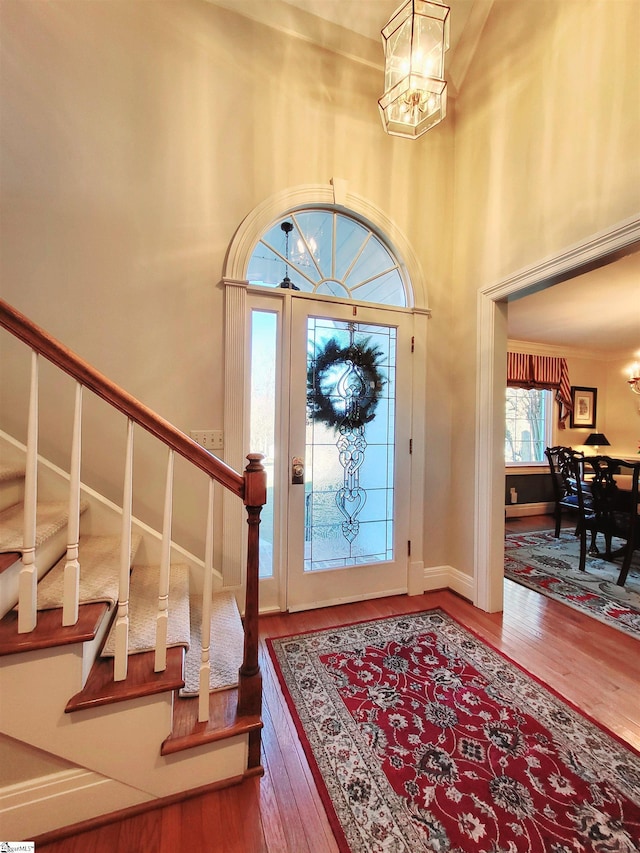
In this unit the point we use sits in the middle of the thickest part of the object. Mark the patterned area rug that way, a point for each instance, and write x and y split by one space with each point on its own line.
423 738
550 566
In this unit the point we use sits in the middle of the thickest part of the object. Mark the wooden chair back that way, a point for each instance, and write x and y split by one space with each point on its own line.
615 510
564 462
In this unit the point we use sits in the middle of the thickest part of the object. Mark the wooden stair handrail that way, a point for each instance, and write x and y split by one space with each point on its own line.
251 487
71 363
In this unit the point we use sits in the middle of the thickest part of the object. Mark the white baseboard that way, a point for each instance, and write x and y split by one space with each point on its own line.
462 584
520 510
437 577
446 577
30 808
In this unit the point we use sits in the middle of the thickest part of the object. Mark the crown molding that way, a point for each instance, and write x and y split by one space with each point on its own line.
577 259
554 350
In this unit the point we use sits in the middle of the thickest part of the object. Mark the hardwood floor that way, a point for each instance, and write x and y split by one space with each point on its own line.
594 667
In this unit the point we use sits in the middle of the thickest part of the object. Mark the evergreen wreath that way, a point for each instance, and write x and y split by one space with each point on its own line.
325 404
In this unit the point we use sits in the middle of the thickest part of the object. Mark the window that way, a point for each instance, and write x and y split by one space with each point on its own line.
262 430
528 425
329 254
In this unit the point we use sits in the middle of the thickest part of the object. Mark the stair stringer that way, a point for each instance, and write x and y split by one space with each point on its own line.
120 741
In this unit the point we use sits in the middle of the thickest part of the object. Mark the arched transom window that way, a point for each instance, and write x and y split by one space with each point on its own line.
328 253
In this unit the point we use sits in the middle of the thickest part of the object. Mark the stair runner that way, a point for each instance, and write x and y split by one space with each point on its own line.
52 517
185 617
99 558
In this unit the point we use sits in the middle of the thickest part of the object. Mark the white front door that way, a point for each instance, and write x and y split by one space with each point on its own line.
349 429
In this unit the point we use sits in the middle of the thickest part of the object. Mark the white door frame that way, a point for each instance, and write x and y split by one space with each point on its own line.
335 195
324 587
491 360
236 431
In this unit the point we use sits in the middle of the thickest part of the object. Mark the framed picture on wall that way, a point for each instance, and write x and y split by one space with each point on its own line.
584 407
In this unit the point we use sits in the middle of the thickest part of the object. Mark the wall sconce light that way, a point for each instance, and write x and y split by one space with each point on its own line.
634 378
415 93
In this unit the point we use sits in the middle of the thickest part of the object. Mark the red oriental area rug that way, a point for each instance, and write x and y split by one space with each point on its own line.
423 738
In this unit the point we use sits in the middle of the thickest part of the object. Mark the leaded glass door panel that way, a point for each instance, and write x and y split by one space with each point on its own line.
349 453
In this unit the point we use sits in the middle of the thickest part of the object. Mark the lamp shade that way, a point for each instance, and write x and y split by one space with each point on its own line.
415 93
597 439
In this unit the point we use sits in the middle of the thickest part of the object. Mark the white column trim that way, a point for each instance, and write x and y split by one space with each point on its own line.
419 452
489 479
235 345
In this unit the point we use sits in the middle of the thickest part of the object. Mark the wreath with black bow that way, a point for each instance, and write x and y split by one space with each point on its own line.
356 366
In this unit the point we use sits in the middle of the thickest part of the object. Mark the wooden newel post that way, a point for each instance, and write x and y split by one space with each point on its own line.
250 678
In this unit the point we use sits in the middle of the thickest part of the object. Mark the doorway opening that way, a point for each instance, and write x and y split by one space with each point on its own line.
601 249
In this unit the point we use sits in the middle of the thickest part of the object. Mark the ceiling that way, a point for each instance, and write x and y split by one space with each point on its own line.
598 310
368 17
326 22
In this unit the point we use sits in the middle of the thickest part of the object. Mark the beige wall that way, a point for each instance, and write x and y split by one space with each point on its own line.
137 136
135 139
20 762
621 416
546 155
616 407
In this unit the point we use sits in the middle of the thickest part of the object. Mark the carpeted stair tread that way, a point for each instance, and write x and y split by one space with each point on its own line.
227 644
143 610
99 558
9 472
51 517
12 462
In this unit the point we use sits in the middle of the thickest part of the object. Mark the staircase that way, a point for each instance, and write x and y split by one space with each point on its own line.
126 672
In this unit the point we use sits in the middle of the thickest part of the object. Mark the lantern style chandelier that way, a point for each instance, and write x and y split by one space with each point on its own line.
415 92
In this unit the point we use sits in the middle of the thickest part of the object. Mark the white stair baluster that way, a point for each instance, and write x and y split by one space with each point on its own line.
72 566
122 619
205 663
165 569
28 580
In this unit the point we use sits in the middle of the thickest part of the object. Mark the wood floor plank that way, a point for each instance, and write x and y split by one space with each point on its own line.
243 818
270 814
171 829
140 833
191 824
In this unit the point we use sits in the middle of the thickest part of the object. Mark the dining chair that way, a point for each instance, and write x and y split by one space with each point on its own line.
612 511
563 464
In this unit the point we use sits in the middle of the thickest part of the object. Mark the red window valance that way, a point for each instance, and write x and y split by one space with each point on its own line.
542 372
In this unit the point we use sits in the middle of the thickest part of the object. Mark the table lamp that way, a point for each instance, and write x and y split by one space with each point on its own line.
596 440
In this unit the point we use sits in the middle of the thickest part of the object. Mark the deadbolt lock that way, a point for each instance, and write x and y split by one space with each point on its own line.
297 470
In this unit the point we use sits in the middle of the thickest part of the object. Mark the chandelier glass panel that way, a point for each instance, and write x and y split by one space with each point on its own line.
415 93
